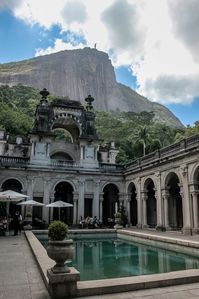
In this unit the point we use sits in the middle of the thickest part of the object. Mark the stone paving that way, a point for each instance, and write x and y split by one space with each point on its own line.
189 291
19 274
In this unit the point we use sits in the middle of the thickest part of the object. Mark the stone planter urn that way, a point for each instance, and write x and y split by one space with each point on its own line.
59 249
60 252
118 220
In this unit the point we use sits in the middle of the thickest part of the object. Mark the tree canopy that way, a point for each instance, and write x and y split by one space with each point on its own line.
134 134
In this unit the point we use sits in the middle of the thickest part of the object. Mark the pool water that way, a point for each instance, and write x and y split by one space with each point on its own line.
103 258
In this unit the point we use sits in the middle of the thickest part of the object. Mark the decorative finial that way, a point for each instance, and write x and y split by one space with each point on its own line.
44 93
89 101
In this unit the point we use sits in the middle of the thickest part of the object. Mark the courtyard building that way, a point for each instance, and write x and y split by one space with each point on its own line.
159 190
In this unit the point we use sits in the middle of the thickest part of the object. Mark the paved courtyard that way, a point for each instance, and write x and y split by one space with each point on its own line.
19 274
21 279
189 291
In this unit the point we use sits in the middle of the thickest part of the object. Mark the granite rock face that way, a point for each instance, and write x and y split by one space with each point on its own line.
77 73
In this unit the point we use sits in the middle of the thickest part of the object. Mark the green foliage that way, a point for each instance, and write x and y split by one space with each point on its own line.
187 132
29 215
61 134
134 134
124 219
18 104
117 215
57 230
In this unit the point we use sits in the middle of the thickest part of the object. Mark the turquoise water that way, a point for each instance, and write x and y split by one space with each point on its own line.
108 257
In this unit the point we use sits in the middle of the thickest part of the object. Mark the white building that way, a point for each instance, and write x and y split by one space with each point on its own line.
159 190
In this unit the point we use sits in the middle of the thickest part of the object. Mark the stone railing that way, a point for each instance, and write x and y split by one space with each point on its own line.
59 163
175 149
8 161
110 167
13 161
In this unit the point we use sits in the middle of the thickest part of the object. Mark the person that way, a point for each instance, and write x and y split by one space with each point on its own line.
16 223
95 222
82 222
20 223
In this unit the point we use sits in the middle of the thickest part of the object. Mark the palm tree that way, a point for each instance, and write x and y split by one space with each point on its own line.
142 135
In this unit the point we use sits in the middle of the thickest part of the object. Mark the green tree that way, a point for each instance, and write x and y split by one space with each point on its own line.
142 135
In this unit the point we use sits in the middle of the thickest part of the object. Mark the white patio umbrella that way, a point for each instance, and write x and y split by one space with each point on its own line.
59 204
11 196
31 202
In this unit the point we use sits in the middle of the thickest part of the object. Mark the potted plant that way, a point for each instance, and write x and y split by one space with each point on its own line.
124 219
118 220
28 216
59 249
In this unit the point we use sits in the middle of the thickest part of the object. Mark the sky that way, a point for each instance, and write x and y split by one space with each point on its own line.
153 44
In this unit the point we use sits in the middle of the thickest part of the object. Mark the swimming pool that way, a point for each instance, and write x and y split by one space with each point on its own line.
102 256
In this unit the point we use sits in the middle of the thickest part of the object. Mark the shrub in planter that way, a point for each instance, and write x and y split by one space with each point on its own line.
59 249
57 231
28 215
117 215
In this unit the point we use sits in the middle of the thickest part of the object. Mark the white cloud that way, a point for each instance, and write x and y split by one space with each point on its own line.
122 22
185 20
9 4
59 45
158 38
74 12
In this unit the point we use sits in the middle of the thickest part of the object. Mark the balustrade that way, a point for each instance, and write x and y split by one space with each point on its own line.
13 161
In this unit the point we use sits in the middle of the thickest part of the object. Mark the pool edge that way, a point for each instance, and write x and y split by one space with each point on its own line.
113 285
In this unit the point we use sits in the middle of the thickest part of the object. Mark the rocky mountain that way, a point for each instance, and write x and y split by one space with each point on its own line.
77 73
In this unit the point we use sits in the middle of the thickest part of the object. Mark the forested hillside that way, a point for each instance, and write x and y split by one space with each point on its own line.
77 73
135 134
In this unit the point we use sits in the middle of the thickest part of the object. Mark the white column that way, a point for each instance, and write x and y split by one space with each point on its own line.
144 204
159 204
30 188
121 199
96 199
51 209
165 196
46 200
186 202
139 203
128 208
101 198
195 209
75 203
81 200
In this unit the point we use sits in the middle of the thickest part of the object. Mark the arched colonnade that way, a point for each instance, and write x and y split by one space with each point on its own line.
162 200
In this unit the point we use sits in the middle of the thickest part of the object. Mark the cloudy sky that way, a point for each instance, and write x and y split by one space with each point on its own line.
153 44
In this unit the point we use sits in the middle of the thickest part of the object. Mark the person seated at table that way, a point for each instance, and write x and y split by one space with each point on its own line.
88 221
95 222
82 223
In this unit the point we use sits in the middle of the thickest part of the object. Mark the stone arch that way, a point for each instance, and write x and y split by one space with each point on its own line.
133 203
63 180
110 202
13 184
69 122
175 211
194 188
194 175
63 191
61 155
107 183
151 209
13 178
